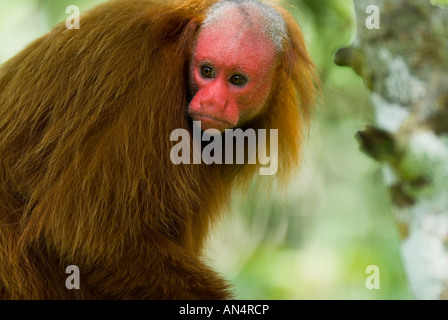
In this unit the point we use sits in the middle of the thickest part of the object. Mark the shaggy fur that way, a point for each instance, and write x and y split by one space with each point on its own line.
85 171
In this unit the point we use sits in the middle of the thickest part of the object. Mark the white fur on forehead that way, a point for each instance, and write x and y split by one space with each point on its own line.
273 24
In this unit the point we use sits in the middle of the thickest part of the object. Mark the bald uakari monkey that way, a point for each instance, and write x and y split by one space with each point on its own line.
85 123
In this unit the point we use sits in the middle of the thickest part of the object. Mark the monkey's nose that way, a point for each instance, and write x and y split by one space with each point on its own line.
214 104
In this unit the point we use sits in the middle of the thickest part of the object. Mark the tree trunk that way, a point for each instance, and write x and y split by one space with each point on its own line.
405 65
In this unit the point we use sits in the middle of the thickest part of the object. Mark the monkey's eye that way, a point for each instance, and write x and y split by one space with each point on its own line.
238 80
207 72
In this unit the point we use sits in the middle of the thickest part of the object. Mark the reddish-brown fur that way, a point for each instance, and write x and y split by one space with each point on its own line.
85 171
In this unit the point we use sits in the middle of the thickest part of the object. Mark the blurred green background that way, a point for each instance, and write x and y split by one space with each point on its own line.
315 241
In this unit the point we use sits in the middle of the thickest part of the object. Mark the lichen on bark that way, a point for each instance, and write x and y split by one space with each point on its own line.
405 65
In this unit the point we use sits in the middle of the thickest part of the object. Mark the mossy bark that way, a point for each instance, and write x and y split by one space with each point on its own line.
405 65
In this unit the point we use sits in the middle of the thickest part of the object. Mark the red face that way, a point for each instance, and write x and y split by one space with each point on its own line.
231 75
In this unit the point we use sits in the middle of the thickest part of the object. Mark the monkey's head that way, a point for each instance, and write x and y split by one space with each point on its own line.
234 62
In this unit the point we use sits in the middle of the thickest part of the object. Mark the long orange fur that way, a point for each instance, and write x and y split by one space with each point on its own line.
85 172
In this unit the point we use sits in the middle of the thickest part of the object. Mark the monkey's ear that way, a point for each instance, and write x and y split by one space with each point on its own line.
194 25
177 30
186 38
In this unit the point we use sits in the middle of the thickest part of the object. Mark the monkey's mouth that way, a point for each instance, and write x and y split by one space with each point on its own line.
210 122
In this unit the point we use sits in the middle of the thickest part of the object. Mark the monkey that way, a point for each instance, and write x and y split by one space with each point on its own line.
85 122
